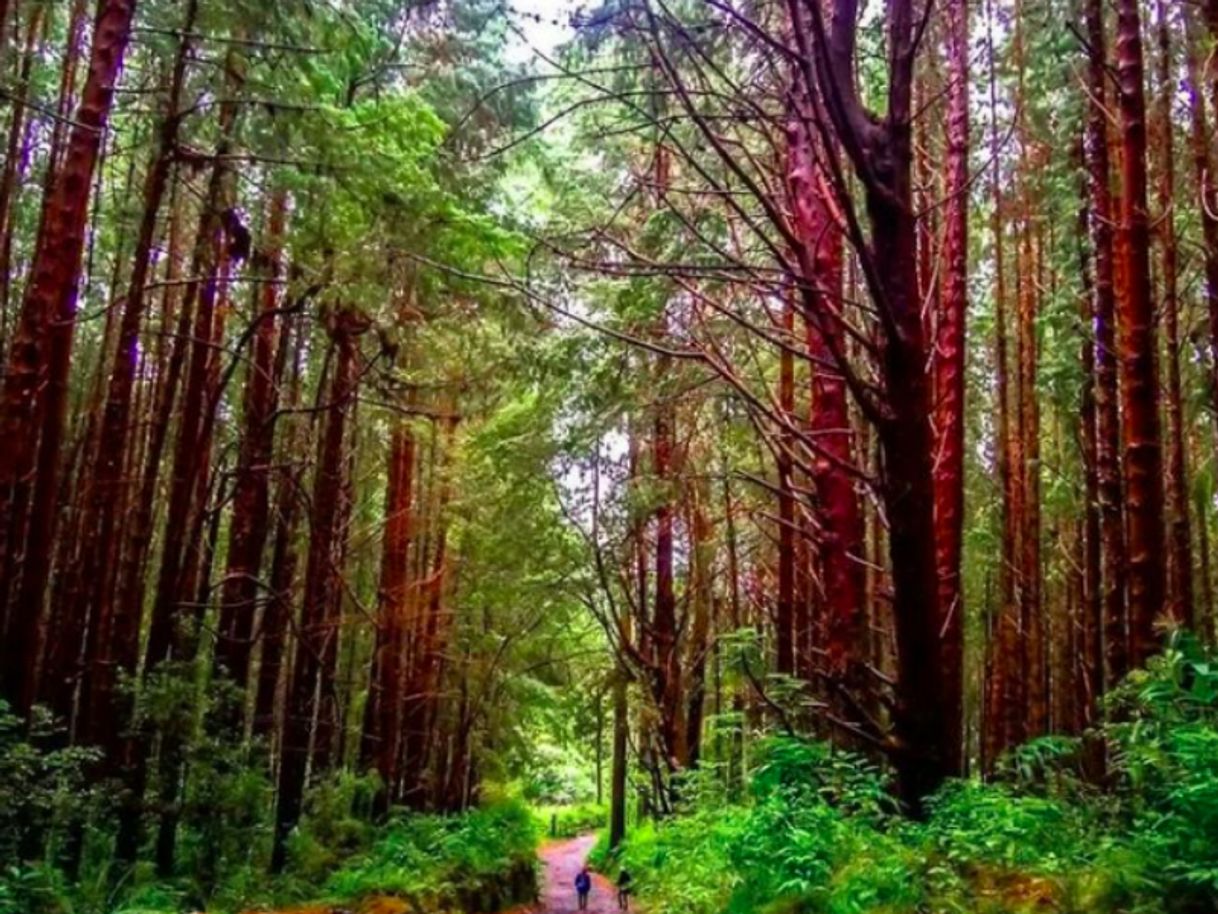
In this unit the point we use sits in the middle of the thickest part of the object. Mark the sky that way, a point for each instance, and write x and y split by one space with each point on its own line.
542 36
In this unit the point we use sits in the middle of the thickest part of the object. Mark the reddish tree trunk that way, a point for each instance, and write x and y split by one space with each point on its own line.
701 581
785 605
251 494
278 608
1179 546
129 602
1108 429
784 609
34 396
190 471
928 715
1091 629
430 628
1139 383
949 351
108 657
73 40
317 627
840 544
664 623
384 712
187 479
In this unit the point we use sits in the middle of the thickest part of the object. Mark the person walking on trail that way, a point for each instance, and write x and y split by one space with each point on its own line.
623 889
583 885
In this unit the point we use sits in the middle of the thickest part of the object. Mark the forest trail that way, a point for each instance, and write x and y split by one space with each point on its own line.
560 861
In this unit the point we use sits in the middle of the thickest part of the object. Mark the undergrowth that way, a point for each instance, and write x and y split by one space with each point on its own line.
818 834
569 821
480 861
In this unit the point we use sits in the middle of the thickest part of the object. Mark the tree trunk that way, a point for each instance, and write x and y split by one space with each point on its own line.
1108 428
16 158
949 349
277 612
1091 633
1004 709
784 608
317 627
1179 545
34 396
621 738
701 602
248 527
105 711
928 720
1139 383
664 623
384 714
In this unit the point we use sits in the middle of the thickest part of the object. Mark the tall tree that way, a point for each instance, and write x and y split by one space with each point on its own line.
318 628
34 398
1139 381
1108 427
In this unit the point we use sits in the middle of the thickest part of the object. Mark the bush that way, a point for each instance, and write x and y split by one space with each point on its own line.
42 783
481 861
570 821
817 833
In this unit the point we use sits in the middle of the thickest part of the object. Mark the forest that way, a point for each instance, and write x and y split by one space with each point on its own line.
763 447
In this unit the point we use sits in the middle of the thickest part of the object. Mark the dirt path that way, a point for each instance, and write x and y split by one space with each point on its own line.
560 861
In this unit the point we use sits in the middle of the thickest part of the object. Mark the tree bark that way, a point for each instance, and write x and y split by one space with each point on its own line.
104 710
34 396
1179 541
16 158
1091 629
784 608
949 350
277 612
317 626
840 544
1139 384
701 602
250 521
621 739
1108 427
384 714
667 671
928 718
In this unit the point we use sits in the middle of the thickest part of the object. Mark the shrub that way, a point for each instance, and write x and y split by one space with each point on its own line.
570 821
480 861
818 834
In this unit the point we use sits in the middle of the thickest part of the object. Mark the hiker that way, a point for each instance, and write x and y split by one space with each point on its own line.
583 885
623 889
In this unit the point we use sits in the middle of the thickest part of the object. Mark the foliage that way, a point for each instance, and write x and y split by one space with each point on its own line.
556 778
41 780
818 833
480 861
570 821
